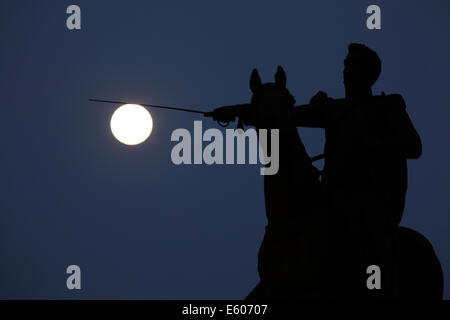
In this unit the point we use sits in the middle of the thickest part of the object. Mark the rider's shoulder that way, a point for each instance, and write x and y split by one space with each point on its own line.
393 100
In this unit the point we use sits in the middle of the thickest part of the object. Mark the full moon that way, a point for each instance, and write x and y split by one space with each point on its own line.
131 124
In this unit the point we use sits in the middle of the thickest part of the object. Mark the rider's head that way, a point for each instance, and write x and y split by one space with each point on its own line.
362 67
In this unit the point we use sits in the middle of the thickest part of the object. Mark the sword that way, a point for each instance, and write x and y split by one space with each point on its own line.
206 114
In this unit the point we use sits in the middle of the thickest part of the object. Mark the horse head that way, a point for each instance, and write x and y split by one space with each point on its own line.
271 100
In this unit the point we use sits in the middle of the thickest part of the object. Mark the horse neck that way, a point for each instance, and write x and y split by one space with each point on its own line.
291 147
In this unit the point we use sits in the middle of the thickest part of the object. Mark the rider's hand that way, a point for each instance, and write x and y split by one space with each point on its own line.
224 114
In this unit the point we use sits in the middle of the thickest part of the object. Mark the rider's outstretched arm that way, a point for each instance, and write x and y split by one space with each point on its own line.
310 115
316 114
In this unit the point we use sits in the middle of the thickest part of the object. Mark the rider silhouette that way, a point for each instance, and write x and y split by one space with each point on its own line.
368 139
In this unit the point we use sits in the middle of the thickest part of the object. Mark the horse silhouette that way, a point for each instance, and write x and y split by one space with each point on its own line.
287 259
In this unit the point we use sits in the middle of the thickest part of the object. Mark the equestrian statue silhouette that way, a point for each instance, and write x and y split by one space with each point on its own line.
323 233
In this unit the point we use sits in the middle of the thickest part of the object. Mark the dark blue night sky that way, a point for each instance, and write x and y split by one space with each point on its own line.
136 224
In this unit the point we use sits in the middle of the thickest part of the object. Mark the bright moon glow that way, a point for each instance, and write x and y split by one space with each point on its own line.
131 124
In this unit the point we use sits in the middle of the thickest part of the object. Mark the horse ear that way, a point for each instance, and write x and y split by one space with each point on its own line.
280 77
255 81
